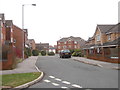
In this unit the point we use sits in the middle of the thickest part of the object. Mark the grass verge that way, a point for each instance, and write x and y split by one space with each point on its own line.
14 80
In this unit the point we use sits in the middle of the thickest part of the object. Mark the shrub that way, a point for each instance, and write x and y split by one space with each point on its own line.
27 52
72 51
77 53
43 53
35 52
51 53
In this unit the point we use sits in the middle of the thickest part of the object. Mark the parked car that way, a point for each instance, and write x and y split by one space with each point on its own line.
65 53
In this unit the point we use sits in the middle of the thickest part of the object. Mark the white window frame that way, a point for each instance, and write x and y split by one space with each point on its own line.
75 46
109 37
98 37
75 42
65 42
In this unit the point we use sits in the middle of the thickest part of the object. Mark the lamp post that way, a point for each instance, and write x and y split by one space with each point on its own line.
23 23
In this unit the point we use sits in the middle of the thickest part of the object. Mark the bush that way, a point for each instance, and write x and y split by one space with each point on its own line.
77 53
27 52
51 53
35 52
72 51
43 53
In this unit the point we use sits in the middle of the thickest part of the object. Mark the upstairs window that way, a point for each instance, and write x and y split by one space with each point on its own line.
109 37
58 42
98 37
75 42
65 42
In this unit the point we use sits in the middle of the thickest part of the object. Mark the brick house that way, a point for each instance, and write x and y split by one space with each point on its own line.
31 44
70 43
42 46
7 43
104 44
19 41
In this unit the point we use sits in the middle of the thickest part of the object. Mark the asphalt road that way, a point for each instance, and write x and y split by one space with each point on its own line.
67 73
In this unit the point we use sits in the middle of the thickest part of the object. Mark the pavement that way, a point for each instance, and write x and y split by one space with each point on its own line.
26 66
97 63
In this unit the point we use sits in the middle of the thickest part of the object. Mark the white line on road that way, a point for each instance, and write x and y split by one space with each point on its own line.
47 81
51 76
66 82
55 84
77 86
58 79
64 87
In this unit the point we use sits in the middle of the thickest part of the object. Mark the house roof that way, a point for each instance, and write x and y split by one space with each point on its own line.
72 38
9 23
105 28
115 29
107 44
115 42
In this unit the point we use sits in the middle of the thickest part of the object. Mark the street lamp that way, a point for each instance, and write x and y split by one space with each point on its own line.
23 23
23 13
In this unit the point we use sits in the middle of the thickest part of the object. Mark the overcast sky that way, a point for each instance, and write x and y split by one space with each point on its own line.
51 20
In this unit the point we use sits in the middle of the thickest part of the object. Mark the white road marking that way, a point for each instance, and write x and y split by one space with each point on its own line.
77 86
66 82
51 76
47 81
58 79
64 87
55 84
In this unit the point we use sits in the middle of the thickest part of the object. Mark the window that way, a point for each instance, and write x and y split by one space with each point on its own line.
109 37
75 46
58 42
98 37
65 42
75 42
11 39
64 47
91 51
99 51
58 47
69 46
11 30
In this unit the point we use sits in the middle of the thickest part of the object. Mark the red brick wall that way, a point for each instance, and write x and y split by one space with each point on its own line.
18 35
68 44
8 63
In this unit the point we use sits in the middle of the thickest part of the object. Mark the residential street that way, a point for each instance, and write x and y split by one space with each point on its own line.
67 73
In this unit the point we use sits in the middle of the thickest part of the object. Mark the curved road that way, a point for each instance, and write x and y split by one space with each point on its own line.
67 73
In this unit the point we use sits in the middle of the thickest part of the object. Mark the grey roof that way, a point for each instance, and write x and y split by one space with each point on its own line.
9 22
115 42
116 28
105 28
71 37
78 39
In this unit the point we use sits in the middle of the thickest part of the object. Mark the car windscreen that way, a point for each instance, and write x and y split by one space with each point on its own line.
65 51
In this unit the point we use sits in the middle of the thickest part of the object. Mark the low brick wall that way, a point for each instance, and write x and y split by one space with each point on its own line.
100 58
8 63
